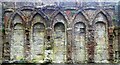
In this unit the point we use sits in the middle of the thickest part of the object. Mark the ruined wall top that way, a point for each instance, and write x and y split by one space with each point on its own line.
61 4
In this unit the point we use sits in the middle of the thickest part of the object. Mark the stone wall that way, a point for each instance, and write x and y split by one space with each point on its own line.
60 34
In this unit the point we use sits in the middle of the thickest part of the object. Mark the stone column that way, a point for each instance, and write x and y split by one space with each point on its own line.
48 46
27 44
90 45
110 43
6 45
69 45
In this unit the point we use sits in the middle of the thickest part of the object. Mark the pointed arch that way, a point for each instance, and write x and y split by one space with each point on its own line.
37 18
19 16
59 26
79 29
105 15
41 15
62 14
101 24
59 12
40 12
27 11
38 29
83 15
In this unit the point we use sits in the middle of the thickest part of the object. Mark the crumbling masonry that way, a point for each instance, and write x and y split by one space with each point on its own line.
33 32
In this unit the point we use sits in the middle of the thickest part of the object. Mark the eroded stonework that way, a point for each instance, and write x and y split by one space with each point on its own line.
59 34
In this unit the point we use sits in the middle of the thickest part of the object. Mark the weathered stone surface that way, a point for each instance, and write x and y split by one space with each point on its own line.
37 44
17 44
101 53
79 51
59 44
27 37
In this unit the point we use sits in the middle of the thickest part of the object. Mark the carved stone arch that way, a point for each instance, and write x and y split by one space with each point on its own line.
41 19
81 13
62 14
20 15
17 40
101 24
15 18
27 12
59 27
106 15
58 11
101 17
40 12
79 28
42 16
82 19
37 36
37 18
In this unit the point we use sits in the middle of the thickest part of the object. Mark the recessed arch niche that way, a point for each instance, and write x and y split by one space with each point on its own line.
17 39
79 54
59 37
37 39
79 43
101 38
